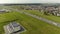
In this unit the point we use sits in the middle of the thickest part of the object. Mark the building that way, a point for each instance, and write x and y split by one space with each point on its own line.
58 14
12 28
4 11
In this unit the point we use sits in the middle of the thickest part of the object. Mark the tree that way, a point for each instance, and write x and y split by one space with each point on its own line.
45 12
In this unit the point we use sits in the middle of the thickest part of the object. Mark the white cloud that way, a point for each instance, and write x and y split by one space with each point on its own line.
29 1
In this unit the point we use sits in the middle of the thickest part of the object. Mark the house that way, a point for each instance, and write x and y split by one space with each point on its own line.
4 11
58 14
12 28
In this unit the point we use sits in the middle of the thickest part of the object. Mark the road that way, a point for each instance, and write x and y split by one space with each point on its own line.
40 18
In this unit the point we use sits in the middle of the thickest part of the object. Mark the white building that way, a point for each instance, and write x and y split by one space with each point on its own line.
12 28
58 14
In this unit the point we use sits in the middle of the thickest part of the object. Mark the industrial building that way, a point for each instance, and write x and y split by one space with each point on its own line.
13 28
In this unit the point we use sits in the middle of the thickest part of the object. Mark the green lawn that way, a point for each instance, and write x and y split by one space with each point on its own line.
50 17
32 25
35 26
5 18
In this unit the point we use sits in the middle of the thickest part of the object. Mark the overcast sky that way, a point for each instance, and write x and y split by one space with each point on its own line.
29 1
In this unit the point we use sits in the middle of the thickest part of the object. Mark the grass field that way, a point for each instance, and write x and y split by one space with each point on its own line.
35 26
50 17
32 25
5 18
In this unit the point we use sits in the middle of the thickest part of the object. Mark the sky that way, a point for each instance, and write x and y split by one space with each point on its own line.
29 1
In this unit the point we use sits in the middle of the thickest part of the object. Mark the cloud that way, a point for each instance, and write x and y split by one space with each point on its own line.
29 1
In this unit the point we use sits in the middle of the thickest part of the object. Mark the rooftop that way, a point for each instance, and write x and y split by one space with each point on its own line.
13 27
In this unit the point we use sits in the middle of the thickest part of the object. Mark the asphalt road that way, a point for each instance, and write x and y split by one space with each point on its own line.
43 19
40 18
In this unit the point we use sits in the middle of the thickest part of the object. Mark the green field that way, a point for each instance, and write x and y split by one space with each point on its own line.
41 14
35 26
32 25
5 18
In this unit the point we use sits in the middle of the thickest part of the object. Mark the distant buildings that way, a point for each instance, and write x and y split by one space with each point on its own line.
4 11
49 9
